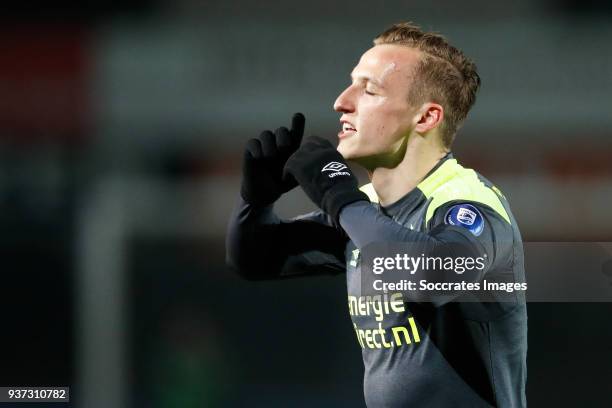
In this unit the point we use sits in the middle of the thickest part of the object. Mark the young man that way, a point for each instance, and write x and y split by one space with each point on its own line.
409 95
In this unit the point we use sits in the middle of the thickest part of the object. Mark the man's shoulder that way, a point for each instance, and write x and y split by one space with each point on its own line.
453 183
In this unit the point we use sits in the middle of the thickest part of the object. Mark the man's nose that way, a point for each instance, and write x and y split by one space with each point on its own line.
344 103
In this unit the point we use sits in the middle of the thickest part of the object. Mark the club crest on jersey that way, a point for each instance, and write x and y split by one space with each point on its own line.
467 216
334 166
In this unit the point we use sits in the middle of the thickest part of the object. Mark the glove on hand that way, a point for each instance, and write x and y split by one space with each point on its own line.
324 175
264 160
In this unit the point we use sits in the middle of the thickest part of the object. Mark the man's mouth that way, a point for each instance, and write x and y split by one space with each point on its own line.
347 130
348 127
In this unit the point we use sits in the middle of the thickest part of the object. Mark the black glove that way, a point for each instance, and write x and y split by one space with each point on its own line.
324 175
264 159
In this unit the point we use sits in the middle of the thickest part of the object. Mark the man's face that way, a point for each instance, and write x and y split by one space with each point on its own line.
376 114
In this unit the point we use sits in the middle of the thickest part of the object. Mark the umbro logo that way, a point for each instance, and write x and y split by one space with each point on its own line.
334 166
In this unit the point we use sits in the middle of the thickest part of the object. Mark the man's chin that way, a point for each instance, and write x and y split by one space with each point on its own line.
355 157
346 154
367 160
348 149
372 161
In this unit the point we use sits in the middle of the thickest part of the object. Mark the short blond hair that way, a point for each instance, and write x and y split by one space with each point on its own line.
444 75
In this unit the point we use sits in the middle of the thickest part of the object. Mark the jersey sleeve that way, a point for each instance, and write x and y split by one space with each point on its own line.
481 225
491 234
368 227
260 245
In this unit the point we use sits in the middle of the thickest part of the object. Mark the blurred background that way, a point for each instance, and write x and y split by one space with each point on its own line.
122 125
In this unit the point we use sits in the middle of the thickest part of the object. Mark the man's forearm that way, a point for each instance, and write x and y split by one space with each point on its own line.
248 229
365 225
261 246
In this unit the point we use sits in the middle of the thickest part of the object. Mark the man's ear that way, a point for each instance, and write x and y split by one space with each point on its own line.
428 117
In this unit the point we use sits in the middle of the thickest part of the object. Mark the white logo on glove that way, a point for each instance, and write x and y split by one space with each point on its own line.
334 166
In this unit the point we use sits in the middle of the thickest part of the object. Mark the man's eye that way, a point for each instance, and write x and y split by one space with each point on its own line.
369 92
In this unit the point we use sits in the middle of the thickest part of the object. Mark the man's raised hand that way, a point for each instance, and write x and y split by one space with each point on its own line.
264 161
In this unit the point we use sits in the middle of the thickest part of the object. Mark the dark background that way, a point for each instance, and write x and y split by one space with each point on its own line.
121 131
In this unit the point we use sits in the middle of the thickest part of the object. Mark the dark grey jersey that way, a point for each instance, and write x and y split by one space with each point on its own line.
455 354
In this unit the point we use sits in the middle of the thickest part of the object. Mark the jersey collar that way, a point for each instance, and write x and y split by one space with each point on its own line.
413 197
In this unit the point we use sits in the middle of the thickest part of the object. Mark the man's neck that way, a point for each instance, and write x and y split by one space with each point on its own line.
391 184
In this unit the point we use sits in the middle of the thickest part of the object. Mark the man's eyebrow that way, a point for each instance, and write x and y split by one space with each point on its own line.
367 79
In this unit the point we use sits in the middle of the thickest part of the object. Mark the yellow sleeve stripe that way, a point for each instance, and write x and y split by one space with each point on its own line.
453 182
